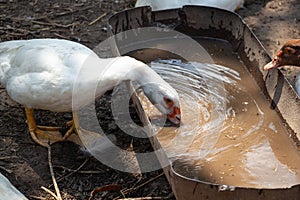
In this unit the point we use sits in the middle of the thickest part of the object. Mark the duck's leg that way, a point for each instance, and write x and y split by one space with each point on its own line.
72 134
76 133
43 135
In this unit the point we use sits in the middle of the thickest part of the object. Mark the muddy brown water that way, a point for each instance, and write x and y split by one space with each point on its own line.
229 137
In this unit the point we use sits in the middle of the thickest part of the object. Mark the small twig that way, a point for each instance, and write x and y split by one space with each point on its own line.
123 192
72 172
35 21
7 170
80 171
36 197
126 191
22 32
61 36
50 192
58 195
8 157
97 19
72 11
14 29
15 34
51 15
53 24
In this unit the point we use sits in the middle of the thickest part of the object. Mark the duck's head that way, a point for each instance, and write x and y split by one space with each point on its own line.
166 100
158 91
289 54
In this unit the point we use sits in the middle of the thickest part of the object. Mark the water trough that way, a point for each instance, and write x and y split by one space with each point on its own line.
235 172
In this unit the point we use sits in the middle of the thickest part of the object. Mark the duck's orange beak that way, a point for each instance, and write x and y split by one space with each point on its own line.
175 116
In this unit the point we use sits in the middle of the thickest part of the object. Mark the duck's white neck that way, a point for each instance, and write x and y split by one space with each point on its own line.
101 75
128 69
105 74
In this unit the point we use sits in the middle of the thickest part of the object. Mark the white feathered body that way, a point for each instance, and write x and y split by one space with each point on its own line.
41 73
8 191
230 5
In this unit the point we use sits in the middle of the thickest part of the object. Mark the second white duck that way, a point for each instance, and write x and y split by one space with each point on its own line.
230 5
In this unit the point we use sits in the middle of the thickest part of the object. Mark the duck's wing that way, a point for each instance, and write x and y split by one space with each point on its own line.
29 56
40 73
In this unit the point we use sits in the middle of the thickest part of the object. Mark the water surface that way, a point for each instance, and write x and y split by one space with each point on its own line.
229 134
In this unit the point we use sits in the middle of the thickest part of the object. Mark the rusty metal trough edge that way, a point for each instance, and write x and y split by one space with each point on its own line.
273 83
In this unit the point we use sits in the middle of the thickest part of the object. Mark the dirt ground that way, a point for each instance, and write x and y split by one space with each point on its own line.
26 164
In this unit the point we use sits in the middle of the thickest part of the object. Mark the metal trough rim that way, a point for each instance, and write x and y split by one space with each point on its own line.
274 85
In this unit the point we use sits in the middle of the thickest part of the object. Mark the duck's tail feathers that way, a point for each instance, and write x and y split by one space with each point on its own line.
4 67
3 71
7 53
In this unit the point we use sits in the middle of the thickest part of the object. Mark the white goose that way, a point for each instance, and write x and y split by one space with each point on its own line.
8 191
41 73
230 5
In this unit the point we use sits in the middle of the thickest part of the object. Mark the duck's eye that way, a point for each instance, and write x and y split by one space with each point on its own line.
290 50
169 102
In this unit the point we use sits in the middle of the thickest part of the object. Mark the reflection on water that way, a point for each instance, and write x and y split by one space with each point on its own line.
203 96
228 134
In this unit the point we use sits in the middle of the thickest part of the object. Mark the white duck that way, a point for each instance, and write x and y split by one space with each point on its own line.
289 54
41 73
230 5
8 191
